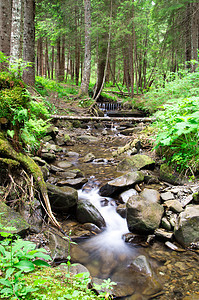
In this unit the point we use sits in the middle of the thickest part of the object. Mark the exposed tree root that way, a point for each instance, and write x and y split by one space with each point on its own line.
7 151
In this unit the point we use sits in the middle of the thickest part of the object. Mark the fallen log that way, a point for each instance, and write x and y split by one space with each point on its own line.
113 119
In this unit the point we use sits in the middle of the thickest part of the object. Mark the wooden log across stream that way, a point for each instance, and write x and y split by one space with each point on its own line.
113 119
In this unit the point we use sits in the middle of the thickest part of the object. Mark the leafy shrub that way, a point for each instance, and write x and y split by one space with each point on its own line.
178 127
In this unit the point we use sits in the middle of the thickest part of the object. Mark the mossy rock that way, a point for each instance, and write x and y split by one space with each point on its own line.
12 99
11 218
168 174
136 162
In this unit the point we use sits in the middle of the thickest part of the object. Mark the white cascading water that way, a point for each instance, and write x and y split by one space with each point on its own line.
111 238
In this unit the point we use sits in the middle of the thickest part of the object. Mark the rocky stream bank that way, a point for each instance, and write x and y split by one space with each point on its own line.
158 253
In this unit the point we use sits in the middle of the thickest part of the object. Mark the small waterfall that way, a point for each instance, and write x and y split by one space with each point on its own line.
109 106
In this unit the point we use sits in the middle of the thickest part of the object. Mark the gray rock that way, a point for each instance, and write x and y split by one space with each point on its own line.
76 173
76 183
163 234
10 218
143 216
142 263
187 229
87 213
88 139
167 196
32 214
62 198
174 205
89 157
121 210
64 164
165 224
136 162
151 196
121 183
49 157
169 175
127 194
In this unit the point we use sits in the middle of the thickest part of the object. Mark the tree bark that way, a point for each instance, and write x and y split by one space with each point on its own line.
58 59
87 51
29 41
15 31
53 62
5 27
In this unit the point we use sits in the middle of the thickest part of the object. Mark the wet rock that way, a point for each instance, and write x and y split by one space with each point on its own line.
88 139
169 175
173 219
134 238
174 205
76 183
121 183
143 216
10 218
136 162
187 229
55 169
89 157
70 174
74 269
127 194
62 198
167 196
39 161
49 157
121 210
91 227
153 287
142 263
64 164
166 224
86 212
150 179
185 201
32 214
163 234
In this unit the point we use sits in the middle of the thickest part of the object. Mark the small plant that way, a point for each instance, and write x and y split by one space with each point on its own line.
18 257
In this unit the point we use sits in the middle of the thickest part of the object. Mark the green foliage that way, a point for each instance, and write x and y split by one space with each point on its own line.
179 86
178 128
17 258
46 86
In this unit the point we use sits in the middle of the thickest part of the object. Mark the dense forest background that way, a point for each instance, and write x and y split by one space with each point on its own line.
136 43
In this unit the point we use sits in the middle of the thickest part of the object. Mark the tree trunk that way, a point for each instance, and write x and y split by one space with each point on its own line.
15 31
53 62
58 59
40 56
87 51
194 34
29 41
47 68
62 58
5 27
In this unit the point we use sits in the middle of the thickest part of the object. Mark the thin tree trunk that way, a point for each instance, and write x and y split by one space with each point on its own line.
87 52
53 62
40 56
62 58
29 41
58 59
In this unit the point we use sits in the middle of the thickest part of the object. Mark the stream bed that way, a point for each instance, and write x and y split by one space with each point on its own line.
142 270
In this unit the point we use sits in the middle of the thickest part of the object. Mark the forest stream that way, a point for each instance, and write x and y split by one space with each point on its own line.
144 267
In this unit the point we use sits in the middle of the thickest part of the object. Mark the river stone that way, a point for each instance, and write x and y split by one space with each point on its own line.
64 164
174 205
165 224
121 183
121 210
168 174
87 213
88 139
70 174
49 157
163 234
32 213
89 157
10 218
187 229
136 162
142 263
76 183
167 196
151 196
127 194
62 198
143 216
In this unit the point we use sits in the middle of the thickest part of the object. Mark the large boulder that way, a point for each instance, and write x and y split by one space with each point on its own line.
10 218
168 174
136 162
62 198
87 213
121 183
144 214
186 230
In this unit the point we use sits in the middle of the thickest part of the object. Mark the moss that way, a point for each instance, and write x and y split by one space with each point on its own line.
8 163
12 99
8 81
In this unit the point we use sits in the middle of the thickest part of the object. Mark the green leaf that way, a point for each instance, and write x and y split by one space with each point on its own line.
5 282
9 272
40 263
25 265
